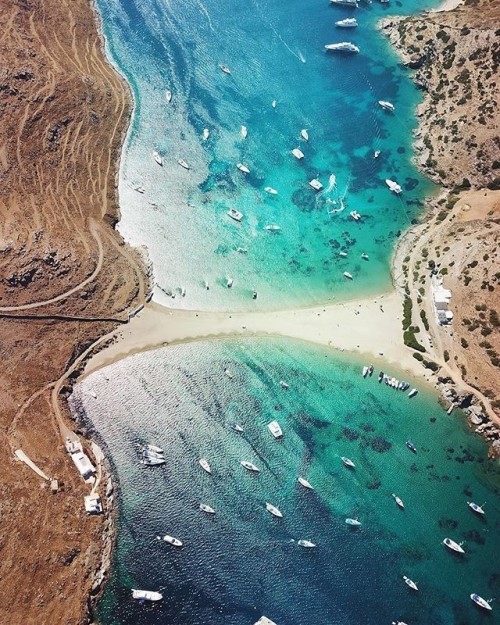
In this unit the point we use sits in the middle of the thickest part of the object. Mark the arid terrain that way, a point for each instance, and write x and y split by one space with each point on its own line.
65 274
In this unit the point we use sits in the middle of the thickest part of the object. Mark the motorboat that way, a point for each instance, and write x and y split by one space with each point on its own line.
343 254
376 154
409 582
365 371
273 104
146 595
388 106
206 285
451 544
353 522
413 392
380 377
306 543
272 228
347 275
175 542
343 46
355 215
275 429
297 153
473 506
399 501
237 427
229 283
254 294
411 446
153 448
151 461
207 509
274 510
264 621
158 158
206 133
235 214
350 22
482 603
147 453
346 3
371 369
303 482
284 385
183 163
205 466
228 373
393 186
243 168
270 190
138 188
249 466
348 462
244 132
304 134
168 96
315 184
399 623
225 69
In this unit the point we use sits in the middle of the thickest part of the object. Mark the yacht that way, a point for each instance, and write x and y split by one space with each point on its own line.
350 22
270 190
274 510
272 228
158 158
344 46
305 483
244 132
205 466
473 506
409 582
355 215
347 275
388 106
146 595
275 429
235 214
376 154
297 153
206 133
229 283
451 544
353 522
346 3
348 462
284 385
480 601
175 542
413 392
168 97
315 184
249 466
264 621
411 446
304 134
225 69
393 186
243 168
399 501
305 543
183 163
207 509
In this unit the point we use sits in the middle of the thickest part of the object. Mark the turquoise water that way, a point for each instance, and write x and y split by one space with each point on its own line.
242 562
275 52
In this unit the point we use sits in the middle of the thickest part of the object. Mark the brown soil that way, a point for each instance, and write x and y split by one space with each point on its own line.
63 114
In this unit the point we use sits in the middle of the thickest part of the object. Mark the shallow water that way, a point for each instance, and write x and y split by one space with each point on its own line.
243 563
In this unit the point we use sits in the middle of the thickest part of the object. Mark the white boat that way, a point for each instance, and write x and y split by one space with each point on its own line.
398 501
304 134
225 69
154 448
393 186
205 466
353 522
138 188
274 510
244 132
273 104
413 392
451 544
151 461
146 595
275 429
473 506
229 283
409 582
355 215
206 133
388 106
350 22
183 163
264 621
243 168
347 275
342 254
237 427
206 285
284 385
207 509
270 190
343 46
146 453
365 372
315 184
297 153
272 228
305 483
235 214
158 158
249 466
175 542
348 462
376 154
399 623
480 601
345 3
306 543
229 373
168 96
365 256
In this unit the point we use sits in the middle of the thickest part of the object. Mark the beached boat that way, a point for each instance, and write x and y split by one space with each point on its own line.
244 132
272 228
451 544
411 446
480 601
183 163
348 462
175 542
146 595
355 215
275 429
345 3
254 294
205 466
297 153
347 275
270 190
475 508
413 392
349 22
158 158
206 133
168 96
343 46
235 214
304 134
207 509
306 543
243 168
249 466
388 106
393 186
224 68
274 510
353 522
398 501
410 583
303 482
315 184
264 621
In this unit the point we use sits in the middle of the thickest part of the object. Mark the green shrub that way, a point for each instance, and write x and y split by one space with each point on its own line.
411 341
446 355
425 321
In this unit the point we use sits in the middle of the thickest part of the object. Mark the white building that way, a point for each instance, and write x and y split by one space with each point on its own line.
83 464
93 504
441 300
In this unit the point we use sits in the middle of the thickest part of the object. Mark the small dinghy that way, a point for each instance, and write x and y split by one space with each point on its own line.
398 501
303 482
274 510
249 466
146 595
175 542
410 583
306 543
451 544
207 509
205 466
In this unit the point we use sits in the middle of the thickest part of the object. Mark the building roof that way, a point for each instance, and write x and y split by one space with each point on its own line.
83 464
